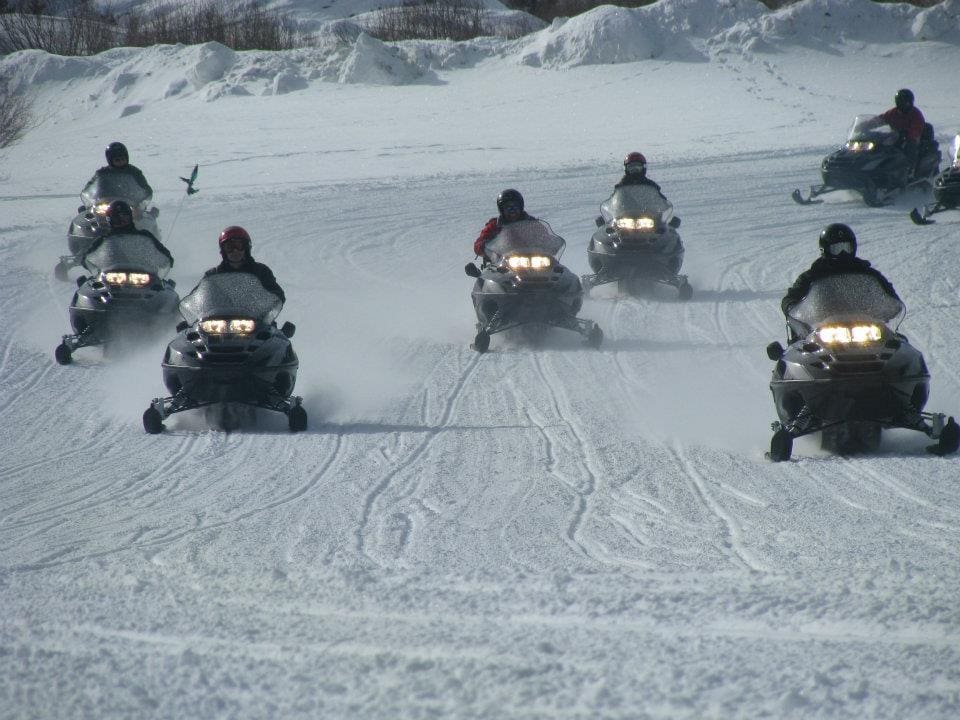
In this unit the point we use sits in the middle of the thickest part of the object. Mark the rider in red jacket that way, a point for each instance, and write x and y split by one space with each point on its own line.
906 119
510 206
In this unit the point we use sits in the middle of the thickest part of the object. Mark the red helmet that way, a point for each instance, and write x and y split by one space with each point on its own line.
235 232
635 162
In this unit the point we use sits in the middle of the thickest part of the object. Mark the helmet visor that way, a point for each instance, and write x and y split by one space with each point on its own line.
511 208
839 248
635 168
234 245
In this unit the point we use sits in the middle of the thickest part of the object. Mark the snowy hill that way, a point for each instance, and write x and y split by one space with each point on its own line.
537 532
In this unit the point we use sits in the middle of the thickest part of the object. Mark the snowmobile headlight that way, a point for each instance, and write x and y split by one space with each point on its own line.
125 278
529 262
640 223
101 208
849 334
861 145
242 326
238 326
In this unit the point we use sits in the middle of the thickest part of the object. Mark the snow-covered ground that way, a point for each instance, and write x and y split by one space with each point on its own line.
555 532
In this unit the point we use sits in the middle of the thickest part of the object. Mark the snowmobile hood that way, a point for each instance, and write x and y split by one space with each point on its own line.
636 201
113 186
127 251
235 294
526 237
847 295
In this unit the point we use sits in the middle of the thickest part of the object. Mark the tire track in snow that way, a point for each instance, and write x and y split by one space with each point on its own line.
101 495
732 541
400 522
585 487
154 544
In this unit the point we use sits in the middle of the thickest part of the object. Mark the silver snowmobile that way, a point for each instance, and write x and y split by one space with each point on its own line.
91 221
850 373
524 285
636 243
126 297
946 190
229 356
872 163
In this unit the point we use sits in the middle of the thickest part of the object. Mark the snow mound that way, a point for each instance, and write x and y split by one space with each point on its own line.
604 35
609 34
213 60
823 23
373 62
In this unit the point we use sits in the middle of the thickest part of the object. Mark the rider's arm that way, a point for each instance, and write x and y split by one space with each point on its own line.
488 232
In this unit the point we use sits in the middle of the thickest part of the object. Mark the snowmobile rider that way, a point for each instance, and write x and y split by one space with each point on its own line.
120 217
838 256
906 119
510 207
118 161
635 173
235 245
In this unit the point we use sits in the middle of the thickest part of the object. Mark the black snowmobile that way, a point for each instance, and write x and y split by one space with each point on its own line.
524 285
636 243
873 164
946 190
91 222
229 356
124 299
849 373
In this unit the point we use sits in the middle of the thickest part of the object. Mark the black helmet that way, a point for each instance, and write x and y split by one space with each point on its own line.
115 151
837 239
903 100
510 197
120 215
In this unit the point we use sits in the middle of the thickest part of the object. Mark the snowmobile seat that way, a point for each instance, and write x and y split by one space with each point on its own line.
928 141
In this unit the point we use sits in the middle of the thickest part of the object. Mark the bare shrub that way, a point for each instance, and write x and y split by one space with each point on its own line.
432 20
77 28
81 28
15 114
245 26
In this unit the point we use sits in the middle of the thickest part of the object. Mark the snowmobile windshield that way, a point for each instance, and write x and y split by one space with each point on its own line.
108 186
850 296
636 201
230 294
955 151
128 252
869 128
526 237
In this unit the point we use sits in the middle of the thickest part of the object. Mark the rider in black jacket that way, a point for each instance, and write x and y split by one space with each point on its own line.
635 173
120 217
838 256
235 244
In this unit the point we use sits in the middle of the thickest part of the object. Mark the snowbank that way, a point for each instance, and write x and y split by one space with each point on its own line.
683 30
822 23
608 34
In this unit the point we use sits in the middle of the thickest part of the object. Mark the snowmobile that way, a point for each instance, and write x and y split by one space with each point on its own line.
229 356
636 243
91 222
124 298
848 373
946 190
873 164
524 285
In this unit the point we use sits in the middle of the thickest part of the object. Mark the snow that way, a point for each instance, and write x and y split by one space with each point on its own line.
532 533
